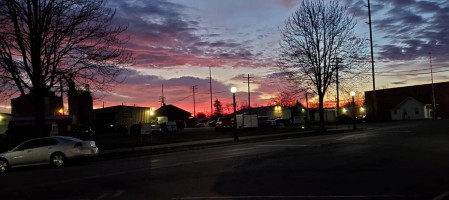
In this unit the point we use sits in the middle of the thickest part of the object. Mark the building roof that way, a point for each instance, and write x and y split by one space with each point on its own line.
119 107
172 112
407 100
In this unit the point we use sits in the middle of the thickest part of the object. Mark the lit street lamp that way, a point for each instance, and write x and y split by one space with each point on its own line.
353 110
151 115
61 111
236 137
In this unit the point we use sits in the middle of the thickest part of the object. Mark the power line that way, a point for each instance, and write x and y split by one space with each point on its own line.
413 70
411 74
182 99
213 92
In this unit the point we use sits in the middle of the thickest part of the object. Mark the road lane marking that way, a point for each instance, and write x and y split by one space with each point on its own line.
161 165
118 193
355 136
239 149
104 195
396 131
442 196
299 197
285 145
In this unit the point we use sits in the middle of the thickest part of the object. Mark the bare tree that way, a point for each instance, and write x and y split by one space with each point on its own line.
44 42
315 35
284 98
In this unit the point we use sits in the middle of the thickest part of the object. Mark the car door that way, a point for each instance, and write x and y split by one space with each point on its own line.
24 153
44 148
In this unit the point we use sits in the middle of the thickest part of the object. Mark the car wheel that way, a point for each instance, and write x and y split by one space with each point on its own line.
3 165
58 159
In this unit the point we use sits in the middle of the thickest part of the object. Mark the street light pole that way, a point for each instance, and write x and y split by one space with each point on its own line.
354 126
372 62
234 90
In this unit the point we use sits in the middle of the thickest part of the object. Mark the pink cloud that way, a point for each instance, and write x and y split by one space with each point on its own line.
289 4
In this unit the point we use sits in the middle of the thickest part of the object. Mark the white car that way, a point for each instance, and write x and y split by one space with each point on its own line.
54 150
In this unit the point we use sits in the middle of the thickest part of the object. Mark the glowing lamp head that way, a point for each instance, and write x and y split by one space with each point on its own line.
233 89
362 109
344 110
61 111
278 108
352 93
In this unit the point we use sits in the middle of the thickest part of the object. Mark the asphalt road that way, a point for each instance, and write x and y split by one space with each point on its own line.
407 160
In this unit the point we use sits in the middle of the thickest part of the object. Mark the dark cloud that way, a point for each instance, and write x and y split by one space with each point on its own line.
162 35
401 2
413 29
237 53
357 9
427 6
282 75
131 76
399 83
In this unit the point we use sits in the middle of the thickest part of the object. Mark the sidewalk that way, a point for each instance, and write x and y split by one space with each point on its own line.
194 143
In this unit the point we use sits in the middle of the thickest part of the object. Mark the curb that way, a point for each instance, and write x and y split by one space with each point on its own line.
195 143
215 142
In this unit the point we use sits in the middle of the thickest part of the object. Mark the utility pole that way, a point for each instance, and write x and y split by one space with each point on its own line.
433 88
210 86
307 105
248 77
162 98
307 111
193 89
62 93
337 61
372 62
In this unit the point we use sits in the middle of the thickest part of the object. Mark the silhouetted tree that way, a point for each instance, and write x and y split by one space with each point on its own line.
283 99
218 108
44 42
201 115
312 38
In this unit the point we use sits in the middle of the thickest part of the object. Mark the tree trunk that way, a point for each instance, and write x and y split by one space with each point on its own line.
321 112
39 96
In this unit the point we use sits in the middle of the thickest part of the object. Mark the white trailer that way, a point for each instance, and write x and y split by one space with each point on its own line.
247 121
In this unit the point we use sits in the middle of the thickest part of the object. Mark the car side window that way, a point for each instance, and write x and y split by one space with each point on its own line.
48 142
22 146
38 143
28 145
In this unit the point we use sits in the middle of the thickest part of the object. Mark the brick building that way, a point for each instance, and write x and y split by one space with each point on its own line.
389 99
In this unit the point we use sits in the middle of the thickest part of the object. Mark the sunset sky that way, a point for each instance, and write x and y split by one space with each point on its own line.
175 41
